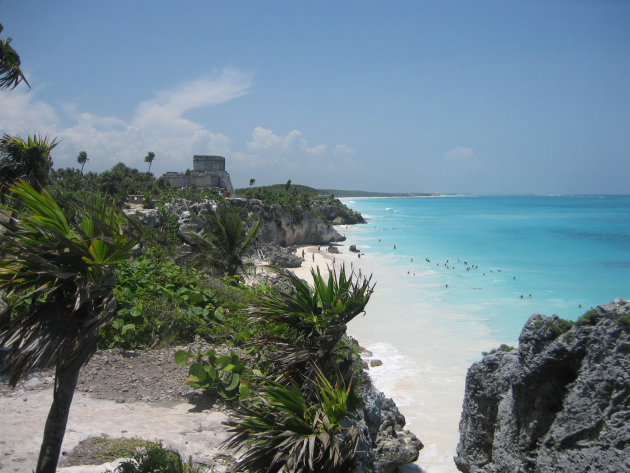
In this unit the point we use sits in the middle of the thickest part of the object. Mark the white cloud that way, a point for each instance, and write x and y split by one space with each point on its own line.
22 114
460 154
342 150
159 124
291 145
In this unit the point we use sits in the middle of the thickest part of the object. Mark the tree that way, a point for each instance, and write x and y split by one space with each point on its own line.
223 245
252 182
82 159
149 159
57 279
10 73
25 159
287 186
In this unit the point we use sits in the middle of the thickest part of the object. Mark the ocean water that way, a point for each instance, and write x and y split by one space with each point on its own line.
456 276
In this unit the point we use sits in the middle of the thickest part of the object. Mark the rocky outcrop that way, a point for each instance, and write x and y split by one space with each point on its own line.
289 226
337 213
559 403
279 225
383 443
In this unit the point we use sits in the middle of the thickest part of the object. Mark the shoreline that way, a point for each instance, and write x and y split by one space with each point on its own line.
426 379
431 407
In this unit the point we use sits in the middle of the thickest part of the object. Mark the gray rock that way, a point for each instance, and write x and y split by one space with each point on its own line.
383 443
338 213
285 260
560 403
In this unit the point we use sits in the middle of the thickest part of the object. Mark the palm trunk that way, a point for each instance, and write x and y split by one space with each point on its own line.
66 381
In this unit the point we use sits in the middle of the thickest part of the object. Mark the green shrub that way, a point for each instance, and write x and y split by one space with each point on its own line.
285 428
230 376
155 459
623 320
555 325
160 303
590 317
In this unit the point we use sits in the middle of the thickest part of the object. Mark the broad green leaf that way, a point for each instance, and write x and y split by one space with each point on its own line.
181 357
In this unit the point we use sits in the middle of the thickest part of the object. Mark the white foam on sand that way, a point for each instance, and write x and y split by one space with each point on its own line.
425 348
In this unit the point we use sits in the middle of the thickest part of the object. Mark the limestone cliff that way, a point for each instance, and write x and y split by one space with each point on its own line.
279 225
559 403
289 226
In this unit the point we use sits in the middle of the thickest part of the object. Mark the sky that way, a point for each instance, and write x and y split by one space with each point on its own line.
484 96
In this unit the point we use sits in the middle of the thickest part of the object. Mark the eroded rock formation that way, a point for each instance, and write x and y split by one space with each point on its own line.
559 403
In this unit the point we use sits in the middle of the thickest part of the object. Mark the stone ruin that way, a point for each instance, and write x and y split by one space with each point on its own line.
208 173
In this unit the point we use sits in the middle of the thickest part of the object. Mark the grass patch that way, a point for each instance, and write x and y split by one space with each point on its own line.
98 450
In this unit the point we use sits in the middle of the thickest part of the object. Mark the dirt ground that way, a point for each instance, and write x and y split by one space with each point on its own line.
120 394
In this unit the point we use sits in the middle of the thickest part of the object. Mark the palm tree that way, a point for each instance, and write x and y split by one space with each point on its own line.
318 315
252 182
10 73
25 159
82 159
224 244
287 186
57 279
149 159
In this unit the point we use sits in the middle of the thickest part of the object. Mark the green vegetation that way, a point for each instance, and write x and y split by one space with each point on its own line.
229 376
282 428
107 449
555 325
160 303
69 248
590 317
623 320
267 193
25 159
61 265
120 182
10 73
154 458
224 242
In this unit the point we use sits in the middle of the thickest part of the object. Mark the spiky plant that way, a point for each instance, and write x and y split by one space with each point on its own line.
61 267
316 317
284 429
28 159
223 245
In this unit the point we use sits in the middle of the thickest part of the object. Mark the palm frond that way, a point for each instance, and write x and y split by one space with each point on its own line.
63 272
10 73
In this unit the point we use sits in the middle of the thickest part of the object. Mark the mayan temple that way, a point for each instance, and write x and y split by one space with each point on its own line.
208 173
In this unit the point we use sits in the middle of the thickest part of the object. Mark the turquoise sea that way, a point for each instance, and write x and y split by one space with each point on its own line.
459 275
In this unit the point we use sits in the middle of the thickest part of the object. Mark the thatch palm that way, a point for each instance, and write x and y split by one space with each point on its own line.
27 159
82 159
57 279
317 316
223 246
10 73
149 159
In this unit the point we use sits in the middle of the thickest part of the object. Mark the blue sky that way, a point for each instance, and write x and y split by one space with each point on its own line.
412 96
